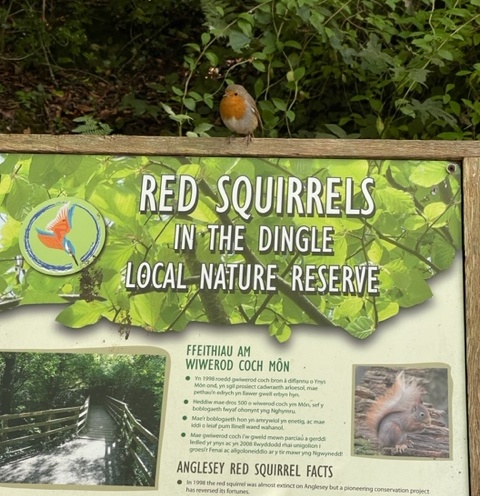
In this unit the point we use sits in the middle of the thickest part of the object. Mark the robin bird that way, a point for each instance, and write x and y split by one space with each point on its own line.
239 112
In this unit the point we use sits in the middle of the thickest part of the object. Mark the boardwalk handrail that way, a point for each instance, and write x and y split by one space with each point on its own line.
40 424
83 414
141 443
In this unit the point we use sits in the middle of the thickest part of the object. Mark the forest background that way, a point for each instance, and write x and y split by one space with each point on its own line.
401 69
41 381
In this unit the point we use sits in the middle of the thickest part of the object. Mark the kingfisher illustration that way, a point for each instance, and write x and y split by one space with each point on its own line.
55 233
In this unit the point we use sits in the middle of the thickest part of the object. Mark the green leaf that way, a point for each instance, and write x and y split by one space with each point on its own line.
280 330
279 104
455 227
9 233
49 284
356 169
246 16
414 222
361 328
145 309
212 58
336 130
428 174
12 161
350 307
401 278
203 127
111 284
181 118
442 254
208 99
189 103
376 251
23 197
115 201
386 310
434 212
416 291
293 44
238 40
317 20
117 255
194 46
298 73
5 183
178 92
259 65
40 297
395 201
445 54
418 75
245 26
81 314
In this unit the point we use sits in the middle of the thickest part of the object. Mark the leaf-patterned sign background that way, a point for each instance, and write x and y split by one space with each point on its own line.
414 233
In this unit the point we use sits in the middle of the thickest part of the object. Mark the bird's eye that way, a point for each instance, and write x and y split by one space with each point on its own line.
236 94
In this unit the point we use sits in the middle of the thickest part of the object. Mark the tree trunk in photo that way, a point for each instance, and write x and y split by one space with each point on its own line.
6 383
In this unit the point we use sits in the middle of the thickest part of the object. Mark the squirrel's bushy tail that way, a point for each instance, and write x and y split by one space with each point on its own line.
399 398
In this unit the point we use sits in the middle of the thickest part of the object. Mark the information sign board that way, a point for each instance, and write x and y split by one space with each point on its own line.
279 318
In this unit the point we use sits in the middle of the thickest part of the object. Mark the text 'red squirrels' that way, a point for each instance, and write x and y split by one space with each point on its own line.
398 412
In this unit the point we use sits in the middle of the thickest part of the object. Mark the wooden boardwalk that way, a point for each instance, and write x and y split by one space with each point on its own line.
100 425
93 458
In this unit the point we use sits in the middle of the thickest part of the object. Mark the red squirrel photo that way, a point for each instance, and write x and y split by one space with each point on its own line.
397 413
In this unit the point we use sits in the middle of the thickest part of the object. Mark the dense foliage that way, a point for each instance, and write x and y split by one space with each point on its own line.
371 69
41 381
413 234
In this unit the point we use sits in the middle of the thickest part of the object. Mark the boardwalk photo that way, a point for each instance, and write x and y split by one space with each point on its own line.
93 458
98 442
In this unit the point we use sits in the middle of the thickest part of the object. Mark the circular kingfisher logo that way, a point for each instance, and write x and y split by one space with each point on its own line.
62 236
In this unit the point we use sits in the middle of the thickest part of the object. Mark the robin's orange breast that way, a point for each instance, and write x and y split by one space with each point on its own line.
233 107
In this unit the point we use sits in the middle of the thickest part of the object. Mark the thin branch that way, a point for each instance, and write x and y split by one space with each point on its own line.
405 248
184 309
265 302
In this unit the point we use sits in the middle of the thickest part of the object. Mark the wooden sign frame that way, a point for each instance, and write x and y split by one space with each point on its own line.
467 153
